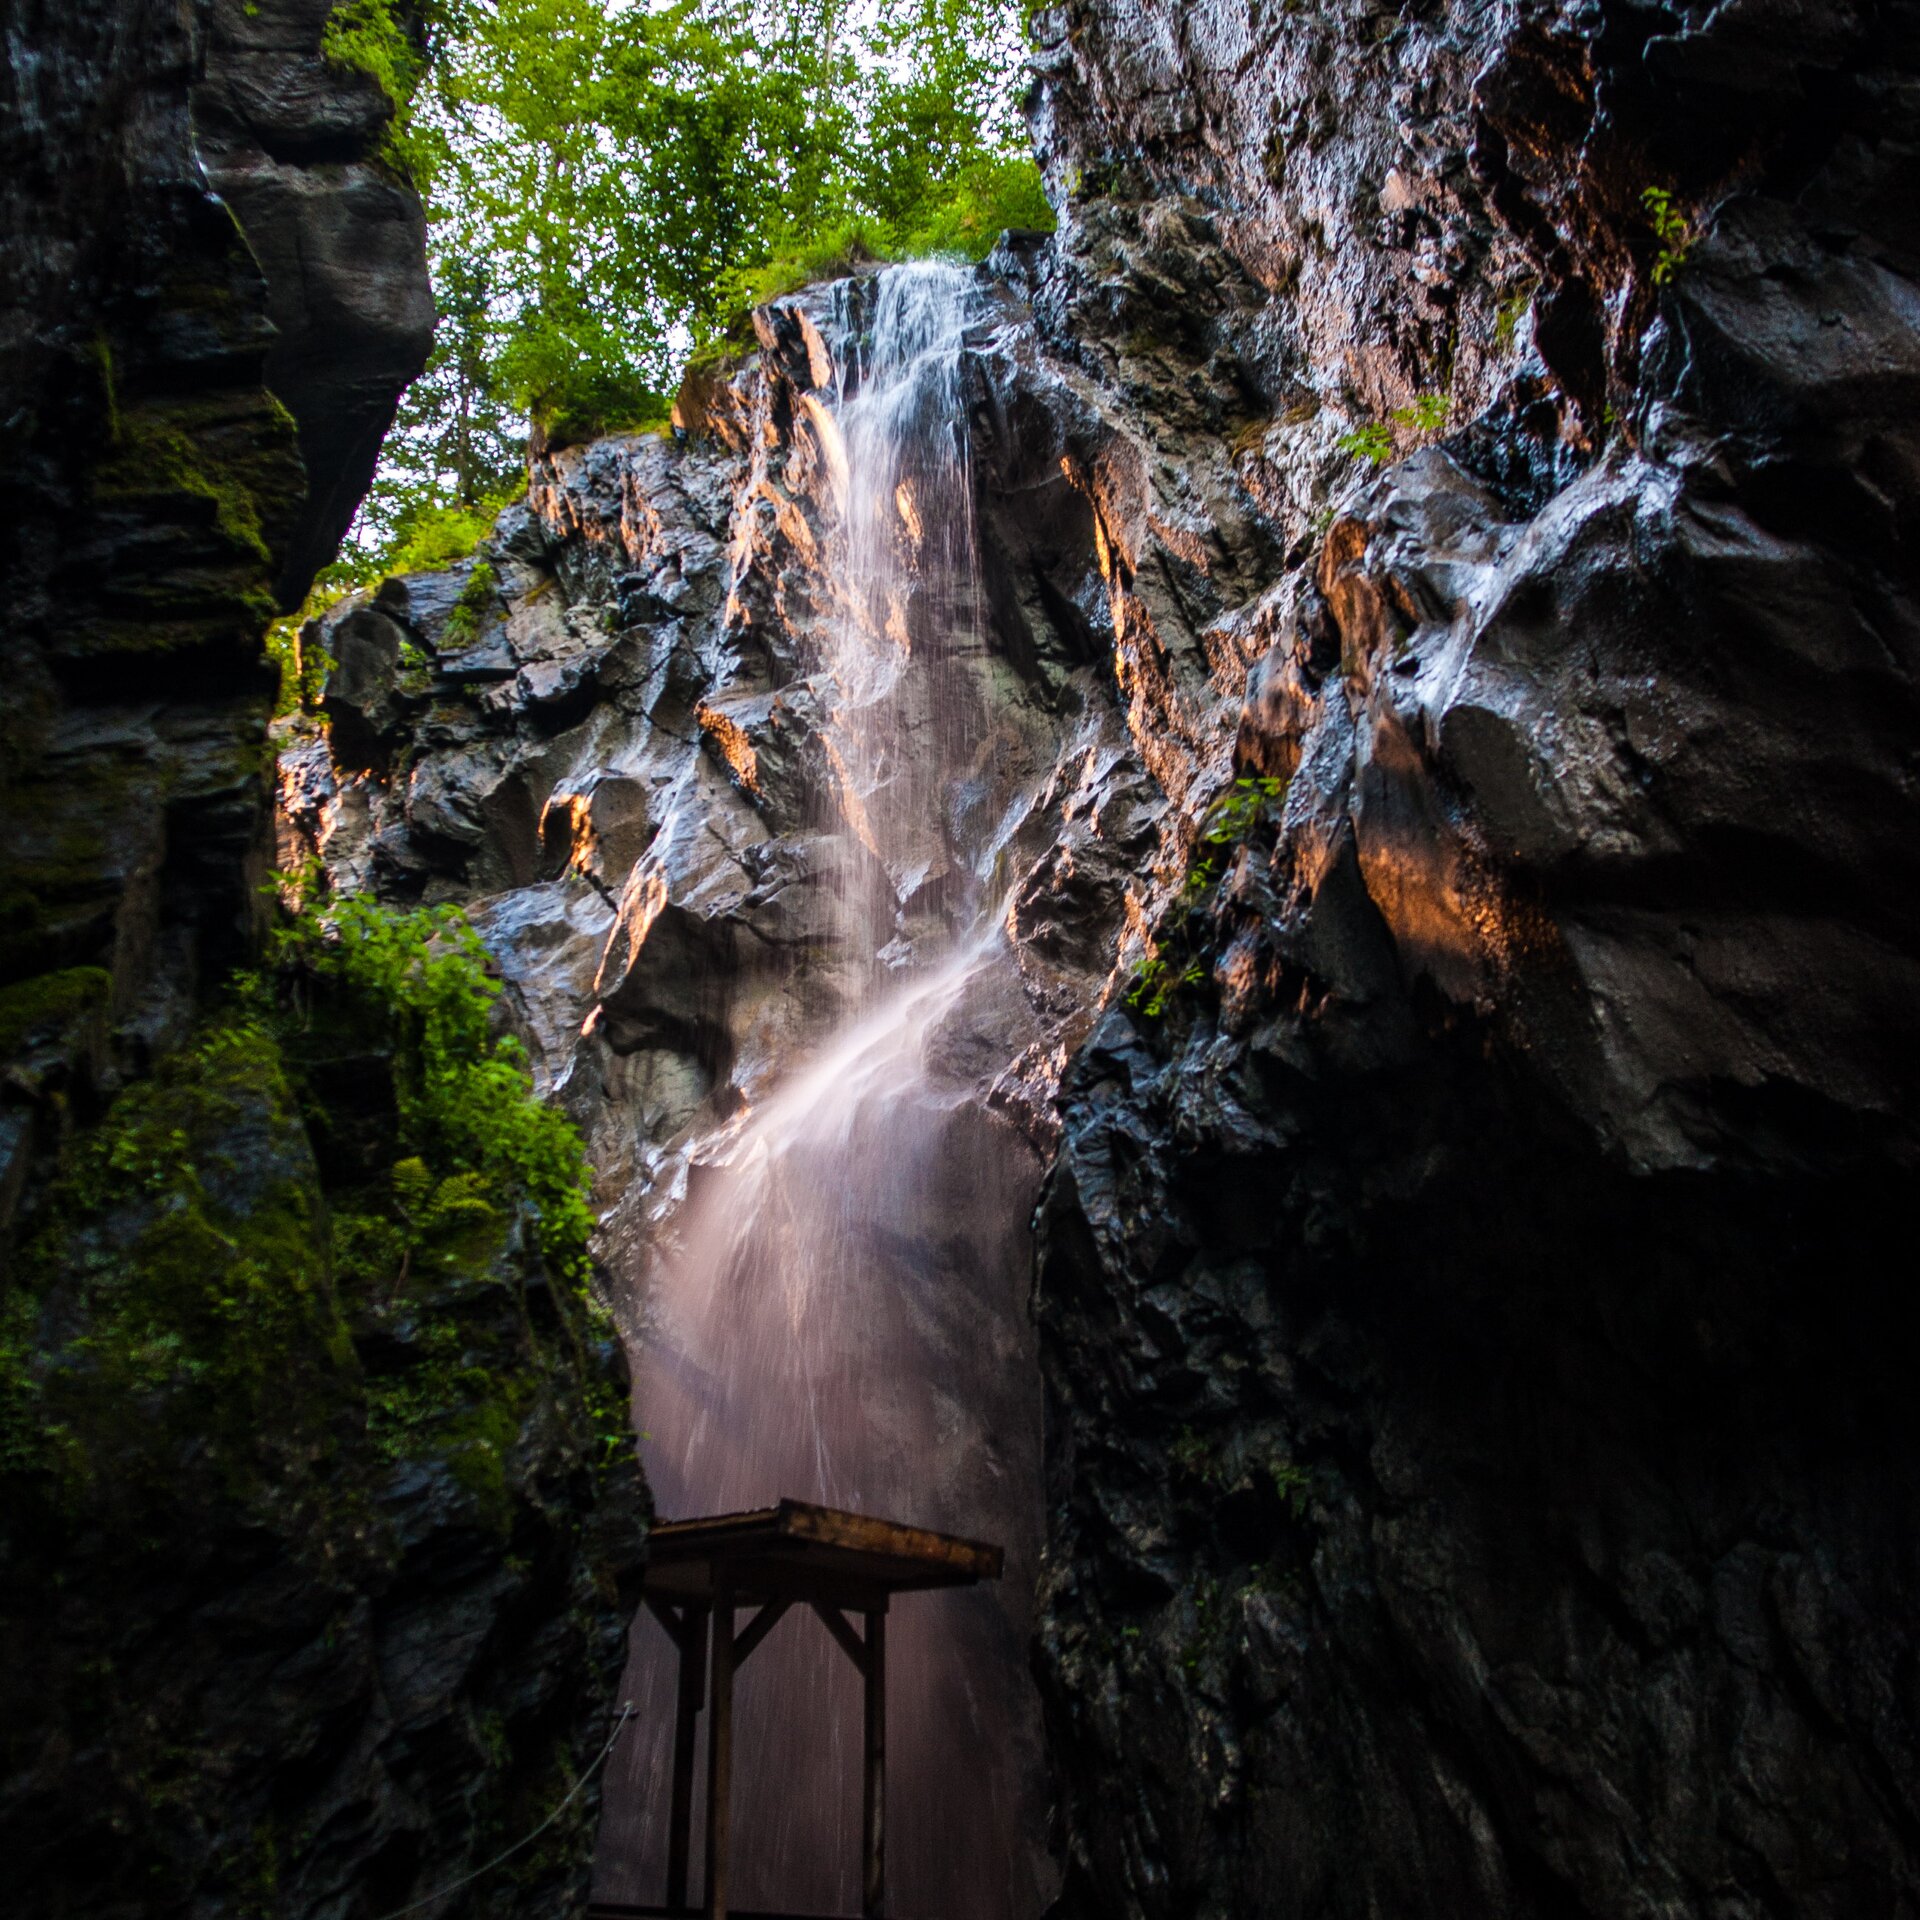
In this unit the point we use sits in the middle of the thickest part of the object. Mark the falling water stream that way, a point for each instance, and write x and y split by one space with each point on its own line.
841 1316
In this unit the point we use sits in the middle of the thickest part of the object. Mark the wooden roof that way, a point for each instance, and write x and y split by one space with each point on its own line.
802 1552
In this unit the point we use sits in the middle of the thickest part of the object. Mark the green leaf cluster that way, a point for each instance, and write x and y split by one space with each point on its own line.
1175 958
466 1098
1373 441
610 187
1671 229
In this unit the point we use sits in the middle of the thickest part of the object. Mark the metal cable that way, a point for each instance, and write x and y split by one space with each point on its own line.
620 1726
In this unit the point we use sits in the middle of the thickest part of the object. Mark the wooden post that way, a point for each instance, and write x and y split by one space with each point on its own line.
720 1748
693 1692
874 1807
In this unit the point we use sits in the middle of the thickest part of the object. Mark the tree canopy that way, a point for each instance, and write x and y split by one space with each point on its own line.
610 184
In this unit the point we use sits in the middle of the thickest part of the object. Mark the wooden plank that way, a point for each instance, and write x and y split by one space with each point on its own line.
621 1910
887 1539
882 1550
837 1624
720 1755
674 1619
692 1696
757 1629
874 1795
764 1577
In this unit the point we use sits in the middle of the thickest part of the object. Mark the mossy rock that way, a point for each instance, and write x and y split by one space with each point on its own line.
50 1007
266 1446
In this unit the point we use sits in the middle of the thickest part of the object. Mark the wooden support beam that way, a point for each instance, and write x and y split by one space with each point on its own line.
756 1630
720 1749
874 1798
692 1640
837 1624
673 1618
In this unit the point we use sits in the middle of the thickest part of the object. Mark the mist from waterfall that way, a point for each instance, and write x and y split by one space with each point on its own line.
840 1313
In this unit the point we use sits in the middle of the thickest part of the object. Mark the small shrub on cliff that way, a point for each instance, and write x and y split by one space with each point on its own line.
1427 416
1671 229
1175 959
1372 442
476 600
393 42
466 1097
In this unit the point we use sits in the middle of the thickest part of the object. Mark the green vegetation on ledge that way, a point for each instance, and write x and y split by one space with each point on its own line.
304 1326
610 188
346 1154
1175 959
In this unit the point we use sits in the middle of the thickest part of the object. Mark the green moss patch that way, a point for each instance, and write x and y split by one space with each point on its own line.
50 1004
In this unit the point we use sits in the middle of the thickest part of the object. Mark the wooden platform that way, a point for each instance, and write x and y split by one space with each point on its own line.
701 1572
800 1552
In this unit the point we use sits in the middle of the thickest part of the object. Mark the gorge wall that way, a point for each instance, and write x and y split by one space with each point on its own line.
1445 678
1475 1351
1476 1479
314 1578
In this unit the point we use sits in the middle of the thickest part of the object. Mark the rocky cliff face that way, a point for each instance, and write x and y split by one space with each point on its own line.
215 293
1447 501
314 1573
612 736
1478 1481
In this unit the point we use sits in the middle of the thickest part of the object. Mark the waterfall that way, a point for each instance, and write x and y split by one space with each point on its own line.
841 1315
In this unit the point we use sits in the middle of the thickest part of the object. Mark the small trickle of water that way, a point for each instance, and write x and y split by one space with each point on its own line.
843 1316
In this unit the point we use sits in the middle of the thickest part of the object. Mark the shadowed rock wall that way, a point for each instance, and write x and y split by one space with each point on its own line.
1478 1479
215 293
313 1592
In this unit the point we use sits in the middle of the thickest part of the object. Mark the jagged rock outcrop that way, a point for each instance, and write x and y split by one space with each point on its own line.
314 1577
602 735
1478 1481
1460 471
293 143
163 500
612 736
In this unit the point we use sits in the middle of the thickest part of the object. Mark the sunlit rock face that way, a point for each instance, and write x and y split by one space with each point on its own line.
782 770
1478 1477
1478 1471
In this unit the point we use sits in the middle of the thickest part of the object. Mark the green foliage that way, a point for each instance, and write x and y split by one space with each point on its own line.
1427 415
476 600
1373 442
51 1002
1292 1483
610 186
423 536
158 450
466 1098
393 42
1671 229
1174 960
191 1257
1245 806
1506 323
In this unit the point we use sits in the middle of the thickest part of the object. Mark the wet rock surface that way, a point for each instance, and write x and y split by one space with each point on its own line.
612 737
1474 1390
266 1646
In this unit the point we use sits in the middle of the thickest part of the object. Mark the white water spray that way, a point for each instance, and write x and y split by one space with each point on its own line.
842 1315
